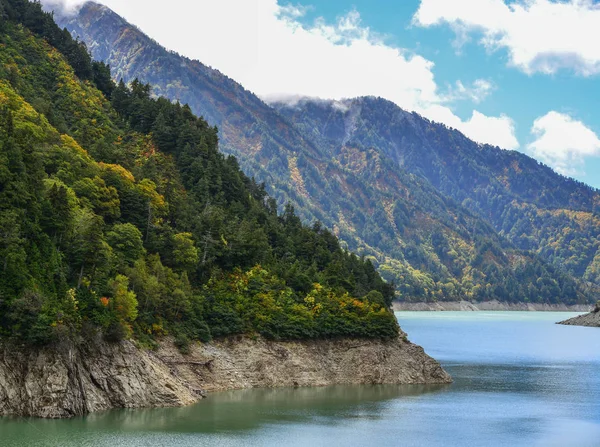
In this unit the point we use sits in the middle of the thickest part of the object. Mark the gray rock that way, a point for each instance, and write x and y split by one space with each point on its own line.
71 380
592 319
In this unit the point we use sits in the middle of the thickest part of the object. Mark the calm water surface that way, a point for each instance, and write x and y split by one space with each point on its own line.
520 380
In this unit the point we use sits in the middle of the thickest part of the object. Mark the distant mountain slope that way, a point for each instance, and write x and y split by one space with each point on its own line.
433 248
526 201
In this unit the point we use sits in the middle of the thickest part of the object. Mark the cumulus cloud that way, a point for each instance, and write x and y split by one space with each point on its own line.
479 127
562 142
540 35
269 49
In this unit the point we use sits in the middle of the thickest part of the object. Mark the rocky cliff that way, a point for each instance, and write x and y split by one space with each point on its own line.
67 381
75 380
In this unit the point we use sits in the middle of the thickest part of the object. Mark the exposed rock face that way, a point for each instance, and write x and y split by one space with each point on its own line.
246 363
488 306
592 319
69 381
58 383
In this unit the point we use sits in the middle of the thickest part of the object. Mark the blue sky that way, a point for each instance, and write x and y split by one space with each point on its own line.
519 74
523 97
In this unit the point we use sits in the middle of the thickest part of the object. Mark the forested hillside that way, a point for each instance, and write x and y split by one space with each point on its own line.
525 201
430 246
119 214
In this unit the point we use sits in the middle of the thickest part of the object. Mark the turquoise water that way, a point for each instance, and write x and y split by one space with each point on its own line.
520 380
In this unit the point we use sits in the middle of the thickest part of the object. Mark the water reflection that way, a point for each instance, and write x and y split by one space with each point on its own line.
241 410
520 380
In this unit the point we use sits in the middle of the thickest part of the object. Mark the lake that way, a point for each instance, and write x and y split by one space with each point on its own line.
520 380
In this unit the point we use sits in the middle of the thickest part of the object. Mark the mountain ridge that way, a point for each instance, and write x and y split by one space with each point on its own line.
358 192
519 196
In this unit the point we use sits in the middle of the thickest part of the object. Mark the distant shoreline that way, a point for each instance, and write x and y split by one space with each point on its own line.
493 305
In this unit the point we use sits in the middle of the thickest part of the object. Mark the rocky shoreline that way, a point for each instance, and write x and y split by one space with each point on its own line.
70 380
591 319
493 305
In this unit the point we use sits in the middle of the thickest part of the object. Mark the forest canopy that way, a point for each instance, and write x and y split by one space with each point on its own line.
119 215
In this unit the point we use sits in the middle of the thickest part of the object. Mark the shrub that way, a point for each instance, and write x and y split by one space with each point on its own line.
182 343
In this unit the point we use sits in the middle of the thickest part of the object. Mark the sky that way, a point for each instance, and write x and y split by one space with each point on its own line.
519 74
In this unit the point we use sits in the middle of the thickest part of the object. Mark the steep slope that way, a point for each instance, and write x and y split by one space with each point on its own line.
527 202
151 231
264 143
430 246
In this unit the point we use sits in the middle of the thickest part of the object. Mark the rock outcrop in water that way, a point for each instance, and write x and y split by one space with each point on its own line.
70 381
592 319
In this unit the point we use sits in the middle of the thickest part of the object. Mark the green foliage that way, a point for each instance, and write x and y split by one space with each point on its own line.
126 242
182 342
148 232
185 254
28 319
257 301
31 15
439 215
124 300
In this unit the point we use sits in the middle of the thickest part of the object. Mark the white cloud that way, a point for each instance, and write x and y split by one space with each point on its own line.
66 6
479 127
476 93
294 11
562 142
502 127
263 45
540 35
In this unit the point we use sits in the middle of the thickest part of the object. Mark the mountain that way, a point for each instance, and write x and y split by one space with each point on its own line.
525 201
430 245
121 217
